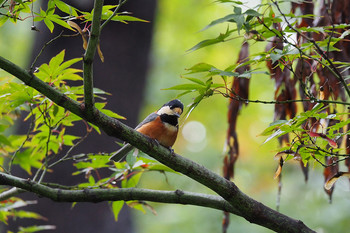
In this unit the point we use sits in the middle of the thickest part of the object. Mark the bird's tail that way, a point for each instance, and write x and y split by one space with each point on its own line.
121 153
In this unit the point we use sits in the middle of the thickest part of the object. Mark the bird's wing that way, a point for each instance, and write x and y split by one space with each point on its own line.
121 153
149 118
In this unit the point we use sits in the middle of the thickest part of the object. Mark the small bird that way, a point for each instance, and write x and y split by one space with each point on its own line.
161 126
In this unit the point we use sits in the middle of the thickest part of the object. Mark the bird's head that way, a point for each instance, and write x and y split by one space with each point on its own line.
171 108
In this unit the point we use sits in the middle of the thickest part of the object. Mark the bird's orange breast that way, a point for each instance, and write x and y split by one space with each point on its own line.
164 134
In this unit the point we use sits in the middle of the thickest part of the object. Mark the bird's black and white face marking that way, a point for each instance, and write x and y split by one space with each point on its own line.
170 112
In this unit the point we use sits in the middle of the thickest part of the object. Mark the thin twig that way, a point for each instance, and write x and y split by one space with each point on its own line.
3 4
31 126
114 13
238 98
42 50
322 53
70 150
10 193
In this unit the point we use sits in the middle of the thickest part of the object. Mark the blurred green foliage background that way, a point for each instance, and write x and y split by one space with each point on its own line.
202 135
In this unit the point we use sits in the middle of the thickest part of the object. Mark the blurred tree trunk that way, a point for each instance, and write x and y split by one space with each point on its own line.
126 50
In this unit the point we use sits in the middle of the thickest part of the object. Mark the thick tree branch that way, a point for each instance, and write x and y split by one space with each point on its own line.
125 194
251 210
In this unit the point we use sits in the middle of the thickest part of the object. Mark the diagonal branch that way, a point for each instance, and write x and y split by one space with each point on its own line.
125 194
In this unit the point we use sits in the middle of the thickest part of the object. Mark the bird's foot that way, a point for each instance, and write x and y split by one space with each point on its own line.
172 151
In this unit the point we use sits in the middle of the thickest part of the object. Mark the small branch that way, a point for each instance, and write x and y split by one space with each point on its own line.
70 150
31 126
238 98
125 194
10 193
89 55
114 13
42 50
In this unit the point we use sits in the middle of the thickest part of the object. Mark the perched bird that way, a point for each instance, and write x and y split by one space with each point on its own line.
161 126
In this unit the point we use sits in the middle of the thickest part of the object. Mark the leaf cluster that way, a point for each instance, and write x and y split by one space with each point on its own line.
57 13
314 134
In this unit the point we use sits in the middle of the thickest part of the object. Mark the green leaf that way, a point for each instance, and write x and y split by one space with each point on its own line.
3 19
344 34
237 10
208 42
56 19
238 18
275 57
28 214
50 7
128 18
95 128
4 141
277 133
195 80
36 228
188 87
14 204
116 208
273 127
98 91
70 74
4 215
68 139
227 18
252 12
311 113
136 205
183 93
26 160
110 113
92 181
215 71
57 60
49 24
93 162
132 181
131 158
64 7
200 67
161 167
106 12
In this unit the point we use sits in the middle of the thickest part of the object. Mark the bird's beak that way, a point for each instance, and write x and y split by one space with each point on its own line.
177 112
